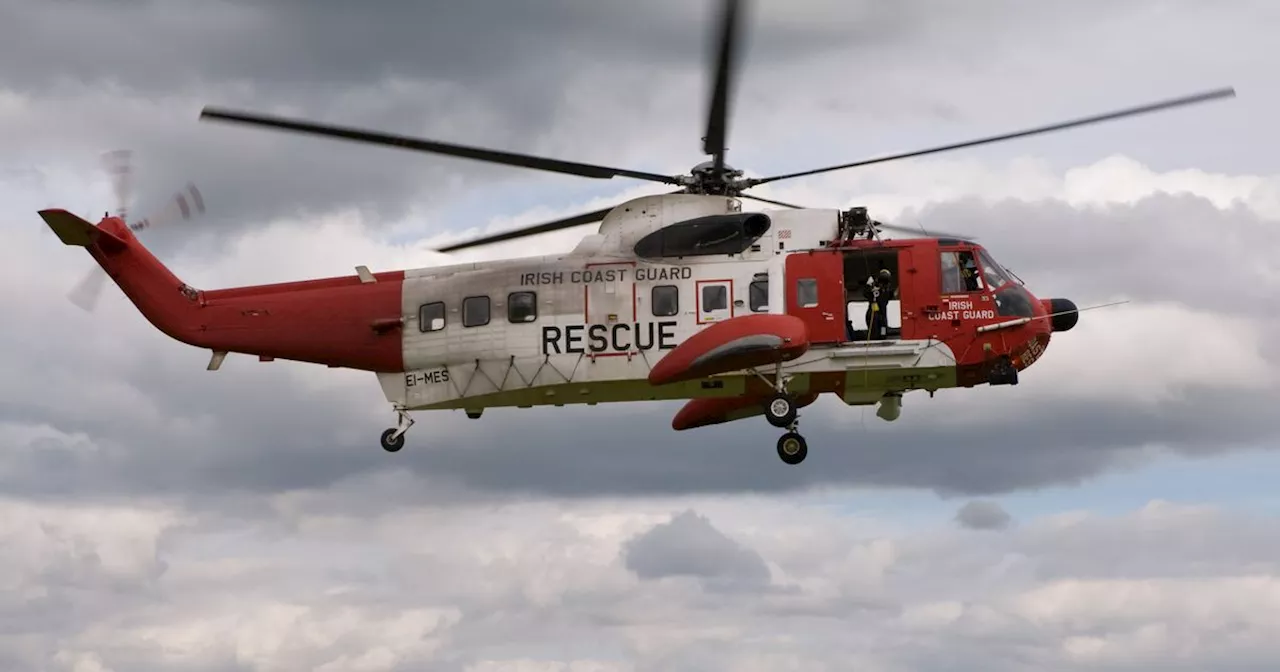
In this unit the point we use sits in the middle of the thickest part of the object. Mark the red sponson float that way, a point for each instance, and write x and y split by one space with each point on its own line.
713 411
737 343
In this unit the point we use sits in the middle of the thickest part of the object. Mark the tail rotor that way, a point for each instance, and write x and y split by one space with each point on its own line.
183 206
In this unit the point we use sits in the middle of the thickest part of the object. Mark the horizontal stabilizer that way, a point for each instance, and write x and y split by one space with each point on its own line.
74 230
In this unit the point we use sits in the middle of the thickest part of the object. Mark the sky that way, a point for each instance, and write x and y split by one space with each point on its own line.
1114 511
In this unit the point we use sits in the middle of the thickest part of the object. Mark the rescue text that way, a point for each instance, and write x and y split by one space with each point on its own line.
577 339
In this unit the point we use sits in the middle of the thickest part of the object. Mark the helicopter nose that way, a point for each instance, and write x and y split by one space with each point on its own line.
1064 313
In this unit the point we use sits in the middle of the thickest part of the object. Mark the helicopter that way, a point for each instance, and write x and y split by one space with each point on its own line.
688 295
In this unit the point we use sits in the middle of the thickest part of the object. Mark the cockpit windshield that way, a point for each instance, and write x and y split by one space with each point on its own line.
994 274
1010 298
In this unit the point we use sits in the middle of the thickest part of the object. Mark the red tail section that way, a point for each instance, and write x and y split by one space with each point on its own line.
340 321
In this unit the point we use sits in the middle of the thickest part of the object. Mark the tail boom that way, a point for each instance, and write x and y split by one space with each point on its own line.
340 322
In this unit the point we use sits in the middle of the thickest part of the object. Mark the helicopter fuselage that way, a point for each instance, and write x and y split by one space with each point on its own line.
596 324
590 328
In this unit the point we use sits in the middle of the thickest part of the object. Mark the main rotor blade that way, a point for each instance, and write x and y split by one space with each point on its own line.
1227 92
422 145
546 227
928 233
725 73
771 201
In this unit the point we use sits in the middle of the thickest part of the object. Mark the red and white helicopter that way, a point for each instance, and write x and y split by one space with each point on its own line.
687 295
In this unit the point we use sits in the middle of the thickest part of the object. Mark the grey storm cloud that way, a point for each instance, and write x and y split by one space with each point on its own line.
689 545
616 83
983 515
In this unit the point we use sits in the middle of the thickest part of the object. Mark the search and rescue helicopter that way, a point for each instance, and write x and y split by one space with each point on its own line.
686 295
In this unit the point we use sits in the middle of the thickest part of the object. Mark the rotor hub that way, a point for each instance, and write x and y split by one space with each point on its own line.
705 179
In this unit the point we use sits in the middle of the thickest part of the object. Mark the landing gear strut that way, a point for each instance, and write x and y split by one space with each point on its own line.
393 439
781 412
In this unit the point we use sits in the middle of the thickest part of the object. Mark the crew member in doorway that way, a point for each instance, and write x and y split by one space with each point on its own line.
878 292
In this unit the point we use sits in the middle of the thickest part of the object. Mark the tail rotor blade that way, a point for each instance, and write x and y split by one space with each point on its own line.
184 206
88 291
119 165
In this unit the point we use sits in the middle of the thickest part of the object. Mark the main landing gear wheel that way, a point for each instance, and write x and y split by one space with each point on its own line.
780 411
393 439
792 448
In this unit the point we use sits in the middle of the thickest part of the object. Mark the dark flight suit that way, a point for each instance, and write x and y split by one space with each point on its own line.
878 295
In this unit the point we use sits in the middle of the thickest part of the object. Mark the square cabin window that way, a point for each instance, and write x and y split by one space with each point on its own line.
475 311
807 292
522 307
431 317
758 296
665 300
714 297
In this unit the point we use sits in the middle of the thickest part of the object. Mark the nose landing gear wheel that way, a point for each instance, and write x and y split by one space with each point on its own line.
792 448
780 410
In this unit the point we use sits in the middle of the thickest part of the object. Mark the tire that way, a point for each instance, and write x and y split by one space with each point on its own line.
780 410
390 445
792 448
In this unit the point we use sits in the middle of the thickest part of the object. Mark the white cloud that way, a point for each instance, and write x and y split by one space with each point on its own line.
417 588
1148 354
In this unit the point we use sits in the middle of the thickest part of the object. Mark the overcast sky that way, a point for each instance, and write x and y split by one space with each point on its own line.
1115 511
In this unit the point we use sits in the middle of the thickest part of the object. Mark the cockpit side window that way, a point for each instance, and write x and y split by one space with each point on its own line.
960 273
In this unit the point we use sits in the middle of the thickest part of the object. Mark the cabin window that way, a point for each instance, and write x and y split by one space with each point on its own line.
665 300
522 307
960 273
758 296
715 297
475 311
807 292
431 317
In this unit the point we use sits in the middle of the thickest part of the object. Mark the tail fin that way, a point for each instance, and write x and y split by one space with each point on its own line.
73 230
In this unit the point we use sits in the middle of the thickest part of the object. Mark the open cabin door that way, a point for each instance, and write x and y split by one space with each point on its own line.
901 310
815 293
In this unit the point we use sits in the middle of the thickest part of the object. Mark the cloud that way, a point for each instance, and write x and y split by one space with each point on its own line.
689 545
983 515
564 84
548 585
